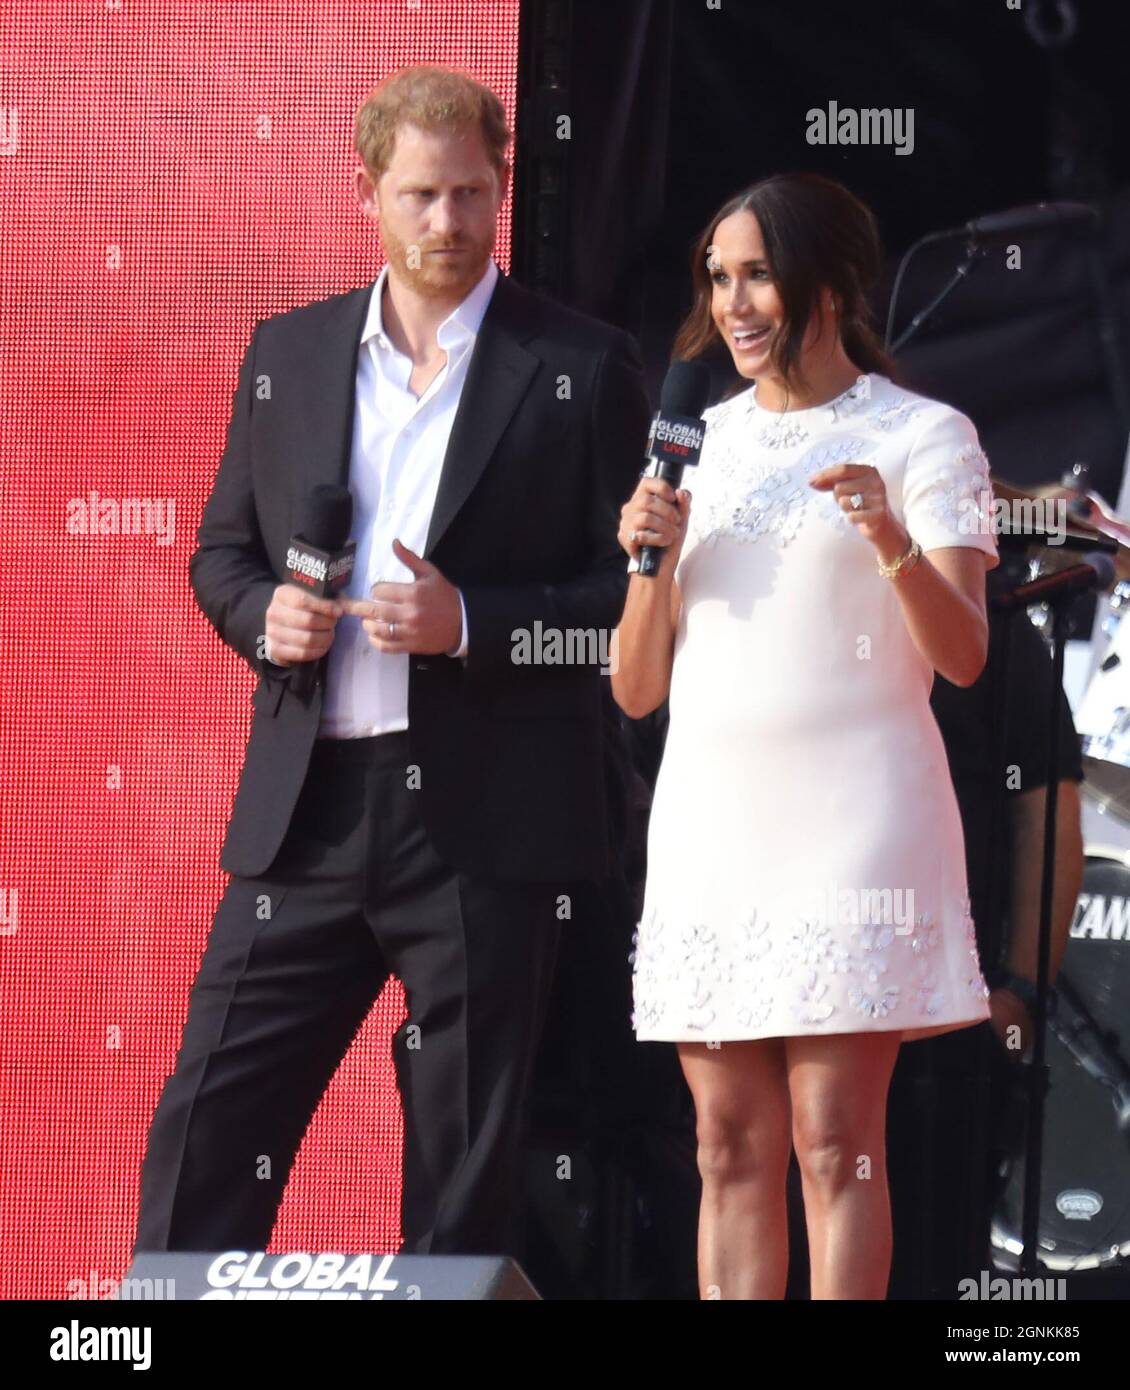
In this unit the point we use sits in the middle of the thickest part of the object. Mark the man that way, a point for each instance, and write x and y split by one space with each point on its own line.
425 807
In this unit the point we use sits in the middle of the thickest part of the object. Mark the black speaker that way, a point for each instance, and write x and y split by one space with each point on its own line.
167 1275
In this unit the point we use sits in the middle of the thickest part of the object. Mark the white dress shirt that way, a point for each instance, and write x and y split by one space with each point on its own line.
399 443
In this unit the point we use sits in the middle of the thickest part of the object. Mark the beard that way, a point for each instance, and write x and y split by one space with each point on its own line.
438 277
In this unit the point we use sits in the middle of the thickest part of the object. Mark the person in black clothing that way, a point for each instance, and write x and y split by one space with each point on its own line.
955 1104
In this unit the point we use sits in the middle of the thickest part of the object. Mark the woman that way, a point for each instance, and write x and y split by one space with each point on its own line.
806 906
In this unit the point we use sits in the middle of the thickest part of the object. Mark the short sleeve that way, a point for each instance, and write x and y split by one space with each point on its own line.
947 495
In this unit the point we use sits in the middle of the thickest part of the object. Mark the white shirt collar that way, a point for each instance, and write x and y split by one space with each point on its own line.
464 321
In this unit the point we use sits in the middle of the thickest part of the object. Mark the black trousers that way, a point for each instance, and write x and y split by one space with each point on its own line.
954 1117
292 966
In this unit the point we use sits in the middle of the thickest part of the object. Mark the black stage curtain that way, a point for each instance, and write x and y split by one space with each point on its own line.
678 105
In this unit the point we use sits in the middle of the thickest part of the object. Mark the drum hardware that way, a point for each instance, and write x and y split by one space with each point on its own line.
1061 592
1103 716
1084 1220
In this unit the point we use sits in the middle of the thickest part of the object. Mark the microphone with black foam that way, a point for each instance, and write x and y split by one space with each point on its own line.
1034 219
1097 571
675 439
319 560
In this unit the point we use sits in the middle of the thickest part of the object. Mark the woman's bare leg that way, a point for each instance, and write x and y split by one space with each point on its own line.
743 1126
838 1085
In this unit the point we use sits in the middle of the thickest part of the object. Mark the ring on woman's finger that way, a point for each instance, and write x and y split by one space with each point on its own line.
856 501
392 631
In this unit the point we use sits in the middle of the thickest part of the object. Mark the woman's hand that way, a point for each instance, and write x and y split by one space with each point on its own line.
943 598
874 518
655 514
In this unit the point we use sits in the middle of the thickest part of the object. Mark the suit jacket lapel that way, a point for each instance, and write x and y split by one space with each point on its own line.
323 429
498 375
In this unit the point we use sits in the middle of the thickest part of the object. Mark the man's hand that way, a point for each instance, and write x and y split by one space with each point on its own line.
424 618
300 627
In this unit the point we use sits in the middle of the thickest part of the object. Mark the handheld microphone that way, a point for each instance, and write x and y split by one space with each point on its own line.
319 559
676 435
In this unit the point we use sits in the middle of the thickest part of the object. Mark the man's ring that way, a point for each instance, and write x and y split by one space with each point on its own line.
631 535
856 501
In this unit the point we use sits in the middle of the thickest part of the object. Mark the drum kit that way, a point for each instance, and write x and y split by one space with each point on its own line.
1085 1187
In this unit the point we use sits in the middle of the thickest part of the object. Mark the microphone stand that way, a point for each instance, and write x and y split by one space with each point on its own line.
973 253
1037 1072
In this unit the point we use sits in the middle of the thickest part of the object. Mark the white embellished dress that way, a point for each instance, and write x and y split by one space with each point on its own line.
806 866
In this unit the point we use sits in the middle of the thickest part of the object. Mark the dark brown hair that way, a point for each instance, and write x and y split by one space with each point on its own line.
817 234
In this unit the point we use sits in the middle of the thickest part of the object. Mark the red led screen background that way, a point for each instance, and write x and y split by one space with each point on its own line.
170 173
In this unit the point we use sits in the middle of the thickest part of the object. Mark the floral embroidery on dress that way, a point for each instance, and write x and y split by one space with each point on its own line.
701 967
849 448
743 501
923 940
754 1013
752 980
700 955
924 936
974 980
691 980
856 398
845 448
646 960
875 940
755 948
809 1003
960 495
782 434
892 415
875 1003
719 414
808 944
928 998
811 945
747 508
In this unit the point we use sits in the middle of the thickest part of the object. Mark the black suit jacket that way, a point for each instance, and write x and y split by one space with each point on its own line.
547 444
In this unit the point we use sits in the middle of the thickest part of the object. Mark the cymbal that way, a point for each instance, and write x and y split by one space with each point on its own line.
1010 492
1100 521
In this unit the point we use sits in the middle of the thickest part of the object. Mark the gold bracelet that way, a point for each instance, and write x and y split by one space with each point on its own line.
904 564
